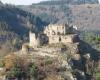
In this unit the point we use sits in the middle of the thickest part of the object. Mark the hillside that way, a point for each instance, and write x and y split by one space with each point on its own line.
61 52
84 16
62 57
14 27
17 21
72 2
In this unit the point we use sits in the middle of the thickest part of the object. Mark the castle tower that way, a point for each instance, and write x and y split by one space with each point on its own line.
32 40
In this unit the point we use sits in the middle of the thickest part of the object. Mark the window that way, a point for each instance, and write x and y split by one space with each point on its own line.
63 27
59 39
58 33
53 33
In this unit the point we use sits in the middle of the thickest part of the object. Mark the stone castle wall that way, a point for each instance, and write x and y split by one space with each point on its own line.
55 30
33 40
61 39
55 34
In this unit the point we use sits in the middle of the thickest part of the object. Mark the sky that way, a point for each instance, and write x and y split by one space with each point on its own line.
21 2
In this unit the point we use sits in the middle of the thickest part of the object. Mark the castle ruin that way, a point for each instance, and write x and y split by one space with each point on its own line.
52 34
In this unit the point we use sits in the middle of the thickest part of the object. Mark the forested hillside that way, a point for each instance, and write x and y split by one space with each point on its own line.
15 25
84 16
18 21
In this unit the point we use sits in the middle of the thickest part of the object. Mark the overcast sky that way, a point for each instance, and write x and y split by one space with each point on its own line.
21 2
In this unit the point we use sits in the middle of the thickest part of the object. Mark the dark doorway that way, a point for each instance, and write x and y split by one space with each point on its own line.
59 39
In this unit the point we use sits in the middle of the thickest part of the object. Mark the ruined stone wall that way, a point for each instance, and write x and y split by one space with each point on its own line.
55 30
53 39
25 47
61 39
67 39
33 40
54 34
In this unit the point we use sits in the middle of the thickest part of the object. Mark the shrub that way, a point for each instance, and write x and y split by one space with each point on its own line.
14 72
1 63
48 62
98 76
